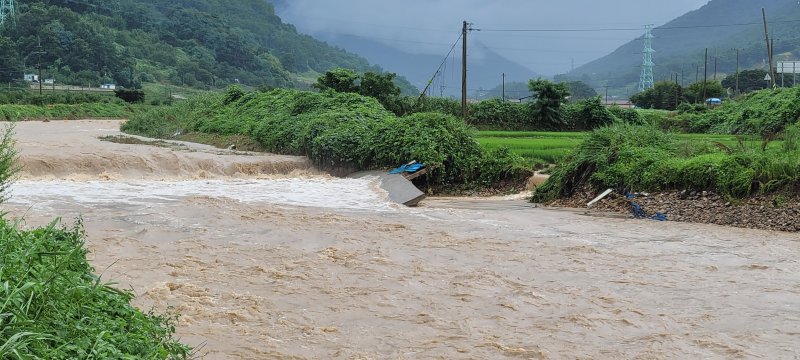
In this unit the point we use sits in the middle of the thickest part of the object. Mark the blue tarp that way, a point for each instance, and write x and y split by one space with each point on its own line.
412 168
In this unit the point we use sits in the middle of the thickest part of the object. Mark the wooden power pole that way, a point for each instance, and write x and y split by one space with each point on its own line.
705 76
464 111
504 87
769 48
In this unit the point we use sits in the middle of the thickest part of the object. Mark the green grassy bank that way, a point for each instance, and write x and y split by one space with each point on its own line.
642 158
53 306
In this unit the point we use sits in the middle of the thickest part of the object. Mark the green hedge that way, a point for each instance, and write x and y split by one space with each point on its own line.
494 114
66 111
336 130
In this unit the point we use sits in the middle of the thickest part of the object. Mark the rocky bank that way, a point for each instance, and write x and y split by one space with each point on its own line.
779 212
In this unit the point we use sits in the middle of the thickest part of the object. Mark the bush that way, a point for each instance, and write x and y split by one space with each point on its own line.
131 96
643 158
765 112
587 114
335 130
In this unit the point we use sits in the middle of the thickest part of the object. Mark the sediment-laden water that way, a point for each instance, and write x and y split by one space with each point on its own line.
288 263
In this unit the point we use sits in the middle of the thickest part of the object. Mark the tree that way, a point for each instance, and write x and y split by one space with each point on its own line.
580 90
549 97
379 86
749 80
339 80
665 95
130 95
13 68
694 93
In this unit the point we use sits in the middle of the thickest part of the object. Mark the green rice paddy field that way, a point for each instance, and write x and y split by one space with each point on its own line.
549 147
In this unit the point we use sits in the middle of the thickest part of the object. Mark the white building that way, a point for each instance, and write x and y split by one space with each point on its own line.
31 77
108 86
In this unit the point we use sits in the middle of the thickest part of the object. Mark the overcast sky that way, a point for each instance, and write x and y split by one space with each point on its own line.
431 26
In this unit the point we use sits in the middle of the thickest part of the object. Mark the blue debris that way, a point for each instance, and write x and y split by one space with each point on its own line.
408 168
639 213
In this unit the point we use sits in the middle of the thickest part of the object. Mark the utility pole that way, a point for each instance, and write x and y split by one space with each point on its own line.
504 87
715 68
769 47
464 111
39 65
606 94
705 76
697 72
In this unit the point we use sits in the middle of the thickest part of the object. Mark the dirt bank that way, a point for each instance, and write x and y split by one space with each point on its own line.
348 277
767 212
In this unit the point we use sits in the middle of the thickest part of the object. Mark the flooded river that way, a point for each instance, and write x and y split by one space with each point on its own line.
265 258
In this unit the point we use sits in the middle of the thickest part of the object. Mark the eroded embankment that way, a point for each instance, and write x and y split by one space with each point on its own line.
74 150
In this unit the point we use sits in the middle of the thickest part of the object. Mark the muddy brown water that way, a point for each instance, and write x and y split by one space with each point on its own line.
265 258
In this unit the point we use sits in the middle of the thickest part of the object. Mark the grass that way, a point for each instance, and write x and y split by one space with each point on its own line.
643 158
551 147
53 306
9 112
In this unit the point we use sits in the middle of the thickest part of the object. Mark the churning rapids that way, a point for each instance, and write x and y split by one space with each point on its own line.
266 258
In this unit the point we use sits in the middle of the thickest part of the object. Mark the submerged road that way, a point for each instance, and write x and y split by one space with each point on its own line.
296 265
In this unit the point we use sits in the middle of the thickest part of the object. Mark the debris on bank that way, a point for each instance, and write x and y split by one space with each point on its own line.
767 212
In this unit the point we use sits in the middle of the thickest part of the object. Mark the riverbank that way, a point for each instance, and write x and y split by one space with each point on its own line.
766 212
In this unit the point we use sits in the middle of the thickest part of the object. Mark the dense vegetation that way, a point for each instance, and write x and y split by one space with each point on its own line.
765 112
111 110
667 95
337 130
495 114
197 43
643 158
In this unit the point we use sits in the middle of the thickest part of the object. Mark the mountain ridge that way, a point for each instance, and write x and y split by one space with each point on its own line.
721 26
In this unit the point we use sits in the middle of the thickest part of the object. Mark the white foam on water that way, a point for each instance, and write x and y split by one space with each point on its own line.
351 194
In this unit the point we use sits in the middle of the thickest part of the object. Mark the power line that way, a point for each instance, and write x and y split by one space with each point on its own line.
436 73
631 29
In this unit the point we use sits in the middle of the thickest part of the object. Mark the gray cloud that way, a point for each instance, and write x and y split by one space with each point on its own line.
429 26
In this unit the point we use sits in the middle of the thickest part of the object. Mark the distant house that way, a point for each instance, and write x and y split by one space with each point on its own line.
50 81
31 77
108 86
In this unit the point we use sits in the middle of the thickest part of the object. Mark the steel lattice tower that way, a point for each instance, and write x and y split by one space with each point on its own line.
646 79
7 12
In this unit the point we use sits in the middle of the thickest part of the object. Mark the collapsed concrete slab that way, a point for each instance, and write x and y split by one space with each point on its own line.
400 189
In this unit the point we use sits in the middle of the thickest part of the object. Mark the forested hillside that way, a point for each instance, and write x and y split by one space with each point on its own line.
721 26
198 43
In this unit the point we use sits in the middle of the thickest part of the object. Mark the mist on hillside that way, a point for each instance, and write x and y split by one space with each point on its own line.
431 27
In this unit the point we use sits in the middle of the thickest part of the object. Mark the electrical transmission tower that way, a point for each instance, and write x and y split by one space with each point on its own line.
7 12
646 79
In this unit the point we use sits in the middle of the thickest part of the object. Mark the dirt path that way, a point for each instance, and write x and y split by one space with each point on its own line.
270 277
